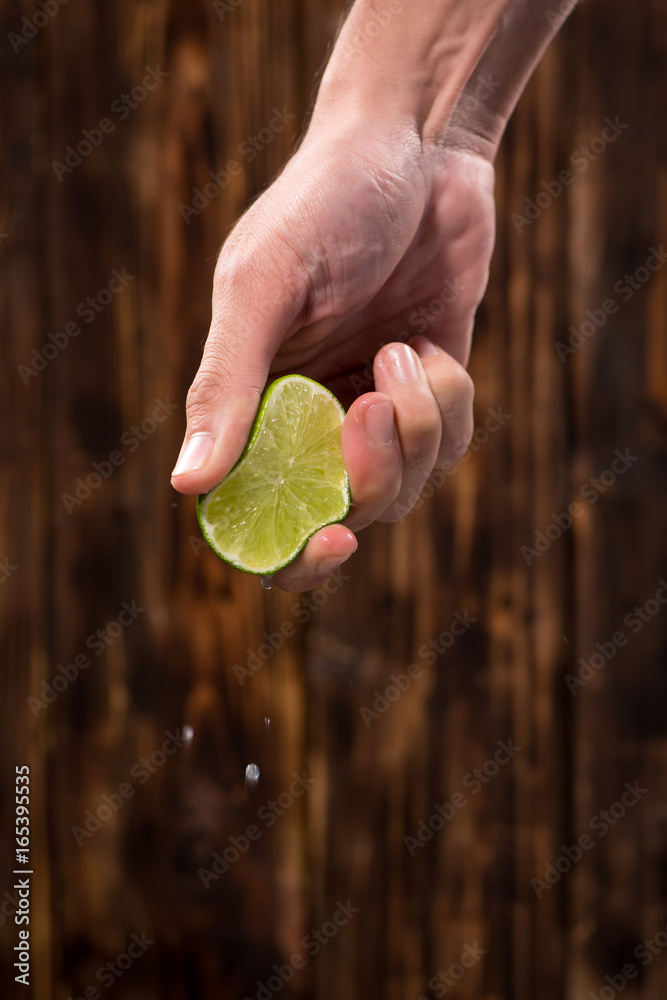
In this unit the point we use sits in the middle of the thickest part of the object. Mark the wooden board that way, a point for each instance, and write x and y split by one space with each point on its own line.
373 701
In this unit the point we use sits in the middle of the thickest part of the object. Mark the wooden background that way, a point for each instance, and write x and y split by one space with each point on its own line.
133 539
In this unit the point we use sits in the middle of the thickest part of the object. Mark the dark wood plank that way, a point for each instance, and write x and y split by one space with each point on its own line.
129 205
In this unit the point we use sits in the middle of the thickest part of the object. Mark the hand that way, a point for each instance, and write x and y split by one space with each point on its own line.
382 222
360 240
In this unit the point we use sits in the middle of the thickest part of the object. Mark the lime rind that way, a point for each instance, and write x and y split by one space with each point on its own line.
289 482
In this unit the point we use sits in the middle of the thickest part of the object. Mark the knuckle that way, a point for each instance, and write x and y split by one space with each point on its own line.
400 507
422 458
458 417
461 387
420 437
372 492
208 383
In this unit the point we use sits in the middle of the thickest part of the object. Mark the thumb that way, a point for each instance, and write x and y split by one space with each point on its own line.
253 312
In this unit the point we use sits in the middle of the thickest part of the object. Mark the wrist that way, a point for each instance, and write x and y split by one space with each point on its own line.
405 62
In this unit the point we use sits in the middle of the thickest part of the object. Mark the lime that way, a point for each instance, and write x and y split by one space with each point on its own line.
289 481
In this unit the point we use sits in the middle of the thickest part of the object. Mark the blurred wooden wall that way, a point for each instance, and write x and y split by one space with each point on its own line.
133 539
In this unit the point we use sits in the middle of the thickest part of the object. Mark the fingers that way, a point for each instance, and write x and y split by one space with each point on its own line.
255 301
372 455
328 549
400 374
454 392
391 441
373 458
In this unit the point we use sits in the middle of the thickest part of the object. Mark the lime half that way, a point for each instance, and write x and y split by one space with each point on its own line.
289 481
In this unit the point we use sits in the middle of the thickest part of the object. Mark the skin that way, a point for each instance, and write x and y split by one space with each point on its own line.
386 208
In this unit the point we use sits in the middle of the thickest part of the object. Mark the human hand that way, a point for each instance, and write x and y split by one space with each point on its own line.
328 269
381 224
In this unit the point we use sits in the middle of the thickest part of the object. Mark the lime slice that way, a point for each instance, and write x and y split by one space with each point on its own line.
289 481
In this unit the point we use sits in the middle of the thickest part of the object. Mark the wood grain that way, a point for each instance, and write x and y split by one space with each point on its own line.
211 650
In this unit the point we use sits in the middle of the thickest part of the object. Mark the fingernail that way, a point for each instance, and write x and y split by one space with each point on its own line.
194 455
427 349
379 420
402 363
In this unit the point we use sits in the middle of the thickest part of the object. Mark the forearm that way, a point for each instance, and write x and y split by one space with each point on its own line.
504 69
409 61
409 58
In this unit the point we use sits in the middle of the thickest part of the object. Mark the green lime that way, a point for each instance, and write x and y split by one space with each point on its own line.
289 481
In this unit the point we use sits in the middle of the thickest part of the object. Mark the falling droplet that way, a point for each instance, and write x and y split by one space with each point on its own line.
188 733
267 582
251 776
267 722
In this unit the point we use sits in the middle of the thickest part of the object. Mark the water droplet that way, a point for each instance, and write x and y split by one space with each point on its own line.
188 732
251 776
267 721
267 582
